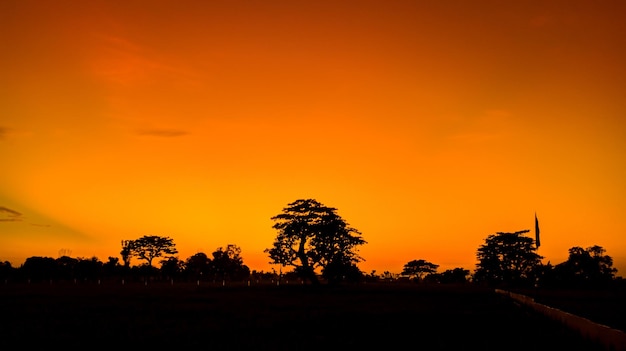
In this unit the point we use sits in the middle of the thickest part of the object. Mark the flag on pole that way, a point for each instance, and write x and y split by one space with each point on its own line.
536 231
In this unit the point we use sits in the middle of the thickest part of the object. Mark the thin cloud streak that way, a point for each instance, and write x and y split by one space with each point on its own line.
40 225
11 215
124 62
164 133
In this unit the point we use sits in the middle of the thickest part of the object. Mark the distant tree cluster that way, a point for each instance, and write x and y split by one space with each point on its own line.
425 271
226 264
510 259
41 269
583 268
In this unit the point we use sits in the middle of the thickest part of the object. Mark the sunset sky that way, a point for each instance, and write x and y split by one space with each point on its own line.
429 125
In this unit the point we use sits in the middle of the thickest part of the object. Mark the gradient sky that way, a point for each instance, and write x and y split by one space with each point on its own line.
429 125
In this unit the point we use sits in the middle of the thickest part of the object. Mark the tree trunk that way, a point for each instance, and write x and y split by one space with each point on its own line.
307 270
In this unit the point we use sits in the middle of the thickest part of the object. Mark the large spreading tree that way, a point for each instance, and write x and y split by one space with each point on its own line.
149 247
507 258
416 269
312 236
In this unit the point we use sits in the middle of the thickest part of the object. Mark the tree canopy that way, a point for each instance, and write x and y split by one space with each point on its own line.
418 268
507 258
590 266
149 247
311 236
227 263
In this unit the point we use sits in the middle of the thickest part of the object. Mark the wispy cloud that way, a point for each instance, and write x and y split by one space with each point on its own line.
164 133
126 62
4 131
40 225
9 215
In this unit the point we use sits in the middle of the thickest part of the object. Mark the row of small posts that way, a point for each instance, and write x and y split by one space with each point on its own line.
6 282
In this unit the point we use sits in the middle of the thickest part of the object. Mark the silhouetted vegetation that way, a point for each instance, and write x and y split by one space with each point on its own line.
148 247
584 268
227 264
450 276
316 244
416 269
313 232
507 259
320 246
312 236
217 301
6 270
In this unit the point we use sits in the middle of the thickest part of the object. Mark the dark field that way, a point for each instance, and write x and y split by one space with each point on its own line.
296 317
604 306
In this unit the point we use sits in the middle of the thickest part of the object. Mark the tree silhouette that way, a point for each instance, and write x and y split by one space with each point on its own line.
126 252
38 268
450 276
111 267
149 247
508 258
198 266
585 267
456 275
172 267
312 236
418 268
227 263
340 269
6 270
66 267
88 268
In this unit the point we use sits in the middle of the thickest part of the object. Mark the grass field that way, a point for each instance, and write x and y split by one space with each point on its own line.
296 317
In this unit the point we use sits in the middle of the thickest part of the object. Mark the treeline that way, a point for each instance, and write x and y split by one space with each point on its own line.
225 264
505 262
315 245
518 267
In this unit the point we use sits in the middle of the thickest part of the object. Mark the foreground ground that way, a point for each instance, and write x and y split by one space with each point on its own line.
604 306
274 317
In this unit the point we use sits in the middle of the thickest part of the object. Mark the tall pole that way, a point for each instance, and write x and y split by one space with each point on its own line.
537 242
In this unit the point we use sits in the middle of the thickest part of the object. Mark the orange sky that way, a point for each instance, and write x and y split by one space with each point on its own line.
428 124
